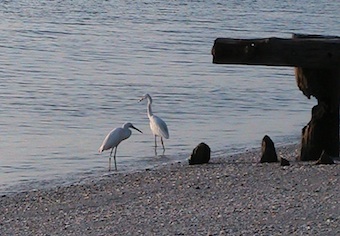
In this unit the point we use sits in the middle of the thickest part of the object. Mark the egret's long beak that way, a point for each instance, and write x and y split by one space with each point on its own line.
136 129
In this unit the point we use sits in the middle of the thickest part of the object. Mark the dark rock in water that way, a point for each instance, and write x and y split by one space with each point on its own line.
284 162
324 159
200 154
268 150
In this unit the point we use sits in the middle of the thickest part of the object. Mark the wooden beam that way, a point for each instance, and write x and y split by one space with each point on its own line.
307 51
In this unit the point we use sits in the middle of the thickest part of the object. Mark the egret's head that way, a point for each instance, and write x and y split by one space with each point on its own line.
130 125
146 96
127 125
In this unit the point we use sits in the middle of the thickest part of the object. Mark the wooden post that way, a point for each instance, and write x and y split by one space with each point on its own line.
322 132
316 60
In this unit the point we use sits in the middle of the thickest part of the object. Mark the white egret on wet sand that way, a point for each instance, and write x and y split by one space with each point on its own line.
114 138
157 125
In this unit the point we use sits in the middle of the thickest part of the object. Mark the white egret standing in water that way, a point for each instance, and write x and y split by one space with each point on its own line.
157 125
114 138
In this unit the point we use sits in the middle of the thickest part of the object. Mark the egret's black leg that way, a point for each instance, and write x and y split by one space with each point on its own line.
114 157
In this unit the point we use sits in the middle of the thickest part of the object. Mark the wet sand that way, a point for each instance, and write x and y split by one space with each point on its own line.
233 195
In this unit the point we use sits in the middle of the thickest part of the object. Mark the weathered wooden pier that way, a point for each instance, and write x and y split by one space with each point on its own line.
316 60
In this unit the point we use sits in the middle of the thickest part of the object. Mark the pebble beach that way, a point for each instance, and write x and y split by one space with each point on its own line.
232 195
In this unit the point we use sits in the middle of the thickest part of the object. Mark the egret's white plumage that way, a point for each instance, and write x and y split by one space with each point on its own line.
113 139
157 125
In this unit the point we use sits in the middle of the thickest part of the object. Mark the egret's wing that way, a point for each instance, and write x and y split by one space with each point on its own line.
159 127
111 140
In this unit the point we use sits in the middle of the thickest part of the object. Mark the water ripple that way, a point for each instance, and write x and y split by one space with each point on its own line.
73 70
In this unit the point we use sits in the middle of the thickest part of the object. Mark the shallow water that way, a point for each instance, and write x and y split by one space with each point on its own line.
73 70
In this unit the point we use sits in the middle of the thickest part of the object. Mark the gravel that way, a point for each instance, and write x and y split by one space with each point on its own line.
232 195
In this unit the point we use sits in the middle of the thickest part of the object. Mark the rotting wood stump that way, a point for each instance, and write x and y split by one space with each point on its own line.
316 60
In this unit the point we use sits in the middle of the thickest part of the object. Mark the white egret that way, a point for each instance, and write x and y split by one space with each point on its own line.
157 125
114 138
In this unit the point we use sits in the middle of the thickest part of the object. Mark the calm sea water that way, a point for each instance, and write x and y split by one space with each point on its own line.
73 70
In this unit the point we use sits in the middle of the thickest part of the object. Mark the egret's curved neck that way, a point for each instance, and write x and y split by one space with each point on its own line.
149 107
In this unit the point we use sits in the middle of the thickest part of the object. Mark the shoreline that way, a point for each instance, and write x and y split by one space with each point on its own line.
231 195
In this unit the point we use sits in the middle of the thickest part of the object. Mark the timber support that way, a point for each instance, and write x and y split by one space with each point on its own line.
317 71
